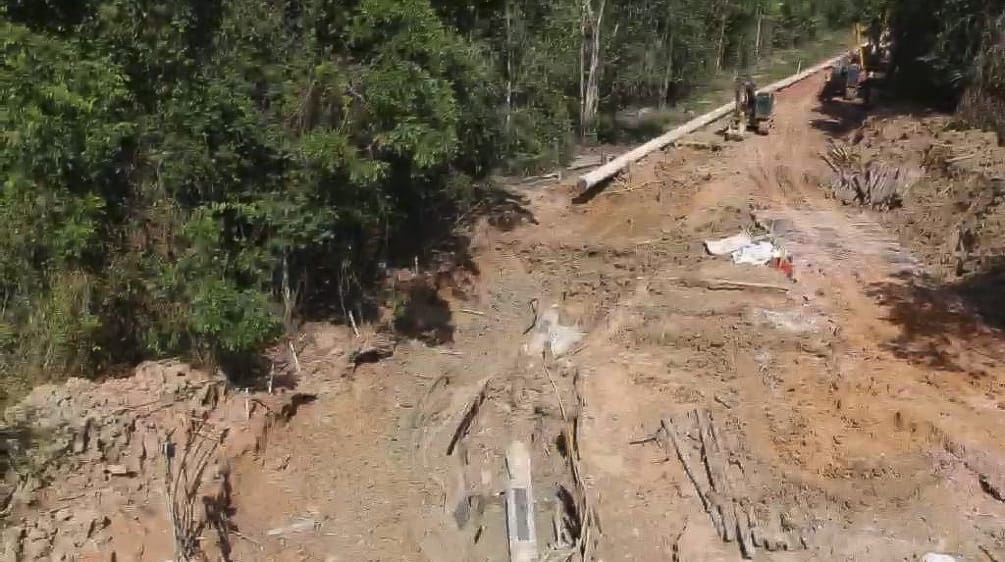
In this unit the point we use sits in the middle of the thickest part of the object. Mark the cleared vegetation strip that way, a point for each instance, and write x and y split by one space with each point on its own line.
612 168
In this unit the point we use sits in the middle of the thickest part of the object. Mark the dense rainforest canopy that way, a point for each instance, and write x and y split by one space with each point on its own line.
180 177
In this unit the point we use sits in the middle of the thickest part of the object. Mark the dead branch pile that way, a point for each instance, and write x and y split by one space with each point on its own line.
874 184
183 480
698 442
588 527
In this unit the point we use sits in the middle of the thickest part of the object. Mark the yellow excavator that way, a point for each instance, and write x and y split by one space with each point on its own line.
856 74
753 110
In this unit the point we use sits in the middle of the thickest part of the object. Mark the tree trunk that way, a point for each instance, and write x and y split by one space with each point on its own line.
582 64
509 65
757 39
596 176
591 96
668 73
722 37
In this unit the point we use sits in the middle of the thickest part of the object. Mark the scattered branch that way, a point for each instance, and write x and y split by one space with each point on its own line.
182 481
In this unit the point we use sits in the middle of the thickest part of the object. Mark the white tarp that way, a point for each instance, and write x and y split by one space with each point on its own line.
726 246
759 253
743 249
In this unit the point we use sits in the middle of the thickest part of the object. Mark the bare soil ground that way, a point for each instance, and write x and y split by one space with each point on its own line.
850 415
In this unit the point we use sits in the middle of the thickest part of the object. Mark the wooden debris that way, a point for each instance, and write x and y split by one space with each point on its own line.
520 505
623 162
299 526
551 176
247 538
710 451
993 487
994 557
558 527
743 532
775 543
589 520
470 413
755 530
728 404
724 284
731 515
716 471
962 158
874 184
676 542
700 145
118 470
352 322
717 521
699 484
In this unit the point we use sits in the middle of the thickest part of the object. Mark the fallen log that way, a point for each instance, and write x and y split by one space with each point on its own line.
470 413
700 145
723 284
589 180
700 487
743 533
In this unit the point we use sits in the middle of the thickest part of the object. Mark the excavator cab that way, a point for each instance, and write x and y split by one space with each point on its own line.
836 83
764 106
753 110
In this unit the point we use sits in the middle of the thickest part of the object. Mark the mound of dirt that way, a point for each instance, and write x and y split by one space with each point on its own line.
130 469
951 217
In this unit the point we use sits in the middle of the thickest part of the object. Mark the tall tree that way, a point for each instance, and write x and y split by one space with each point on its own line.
590 62
185 176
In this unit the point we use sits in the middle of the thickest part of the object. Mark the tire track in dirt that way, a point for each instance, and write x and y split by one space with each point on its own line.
841 436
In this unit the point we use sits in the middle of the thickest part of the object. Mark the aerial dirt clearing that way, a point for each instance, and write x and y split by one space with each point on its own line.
674 405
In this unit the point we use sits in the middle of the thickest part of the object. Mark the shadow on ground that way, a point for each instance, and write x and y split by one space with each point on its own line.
439 240
15 442
942 323
840 117
422 314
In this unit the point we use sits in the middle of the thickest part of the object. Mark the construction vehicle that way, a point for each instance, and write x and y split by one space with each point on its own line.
855 75
753 110
844 79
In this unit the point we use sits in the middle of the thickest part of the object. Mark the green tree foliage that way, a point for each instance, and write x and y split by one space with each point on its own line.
174 170
63 156
948 52
166 163
937 41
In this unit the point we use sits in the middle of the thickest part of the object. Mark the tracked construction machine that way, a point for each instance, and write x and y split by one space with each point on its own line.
753 110
844 79
860 71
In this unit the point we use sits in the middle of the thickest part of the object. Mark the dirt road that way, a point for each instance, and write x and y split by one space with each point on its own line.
841 418
844 434
848 440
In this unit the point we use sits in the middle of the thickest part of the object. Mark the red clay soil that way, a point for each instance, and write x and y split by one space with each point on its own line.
846 415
